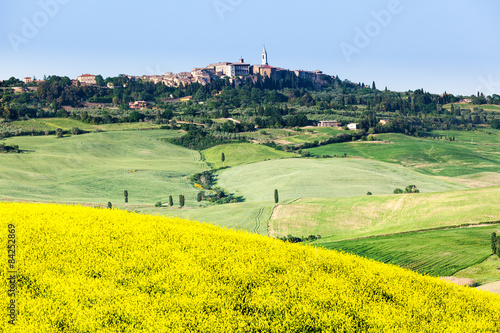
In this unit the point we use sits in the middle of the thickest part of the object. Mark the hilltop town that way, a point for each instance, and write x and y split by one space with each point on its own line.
236 72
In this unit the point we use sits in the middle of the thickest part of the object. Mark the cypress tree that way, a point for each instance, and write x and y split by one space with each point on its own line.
494 243
109 205
200 196
276 197
223 158
181 200
170 201
125 193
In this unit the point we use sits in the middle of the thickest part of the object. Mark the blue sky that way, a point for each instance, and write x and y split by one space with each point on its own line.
402 44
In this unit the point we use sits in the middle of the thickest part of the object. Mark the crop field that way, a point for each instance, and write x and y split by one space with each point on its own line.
345 218
437 252
98 167
97 270
248 216
241 153
51 124
485 272
286 136
335 177
428 156
470 106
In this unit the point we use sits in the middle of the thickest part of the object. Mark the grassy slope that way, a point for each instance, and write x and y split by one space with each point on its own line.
98 167
485 272
428 156
295 178
345 218
438 253
50 124
89 270
249 216
241 153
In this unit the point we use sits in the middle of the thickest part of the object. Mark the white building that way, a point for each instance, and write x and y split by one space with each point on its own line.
238 69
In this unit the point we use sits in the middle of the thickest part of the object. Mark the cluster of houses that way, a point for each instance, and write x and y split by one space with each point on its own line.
232 70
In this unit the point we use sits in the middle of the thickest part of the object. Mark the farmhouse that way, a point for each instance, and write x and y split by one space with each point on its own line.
383 121
329 123
352 126
87 79
27 80
137 105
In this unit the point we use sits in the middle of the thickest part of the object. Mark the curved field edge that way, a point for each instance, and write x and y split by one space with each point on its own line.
84 269
346 218
436 252
315 178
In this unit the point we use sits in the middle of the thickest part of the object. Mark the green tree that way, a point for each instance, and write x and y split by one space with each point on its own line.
59 133
398 191
494 247
411 189
181 200
170 201
99 80
110 205
276 196
125 194
200 196
158 204
116 100
76 131
374 86
223 158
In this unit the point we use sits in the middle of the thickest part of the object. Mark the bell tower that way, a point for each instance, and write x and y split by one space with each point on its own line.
264 56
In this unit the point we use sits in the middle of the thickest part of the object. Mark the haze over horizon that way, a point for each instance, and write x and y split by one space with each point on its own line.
402 45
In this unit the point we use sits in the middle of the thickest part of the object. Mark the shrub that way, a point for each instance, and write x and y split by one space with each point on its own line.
158 204
398 191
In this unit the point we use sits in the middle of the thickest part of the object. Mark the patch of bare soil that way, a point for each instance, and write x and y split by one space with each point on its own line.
283 142
459 281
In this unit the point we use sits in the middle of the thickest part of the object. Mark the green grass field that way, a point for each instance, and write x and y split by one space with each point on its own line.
346 218
98 167
437 253
428 156
485 272
470 106
248 216
241 153
335 177
51 124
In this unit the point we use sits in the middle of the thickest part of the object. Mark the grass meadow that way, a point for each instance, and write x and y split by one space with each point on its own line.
345 218
240 154
437 252
314 178
429 156
98 167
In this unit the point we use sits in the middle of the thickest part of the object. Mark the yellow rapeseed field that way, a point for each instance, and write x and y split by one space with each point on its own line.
81 269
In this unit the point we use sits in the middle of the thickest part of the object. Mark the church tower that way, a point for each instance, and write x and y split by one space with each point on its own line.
264 56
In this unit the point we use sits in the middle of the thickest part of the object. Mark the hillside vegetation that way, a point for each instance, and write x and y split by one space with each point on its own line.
98 167
241 153
471 153
338 177
89 270
345 218
437 252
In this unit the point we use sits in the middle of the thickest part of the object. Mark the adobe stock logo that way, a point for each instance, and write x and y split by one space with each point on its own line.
372 29
223 6
31 27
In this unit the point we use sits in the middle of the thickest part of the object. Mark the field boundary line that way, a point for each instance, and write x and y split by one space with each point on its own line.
466 225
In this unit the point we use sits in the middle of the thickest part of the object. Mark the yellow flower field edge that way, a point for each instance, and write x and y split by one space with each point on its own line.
91 270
